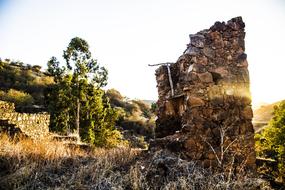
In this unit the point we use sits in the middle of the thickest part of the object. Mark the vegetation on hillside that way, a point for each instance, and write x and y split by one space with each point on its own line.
136 118
19 98
271 143
22 84
264 113
31 87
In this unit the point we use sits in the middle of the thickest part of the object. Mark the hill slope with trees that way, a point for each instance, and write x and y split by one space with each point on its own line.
58 90
23 84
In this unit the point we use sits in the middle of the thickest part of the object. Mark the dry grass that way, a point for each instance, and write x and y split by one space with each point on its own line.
46 164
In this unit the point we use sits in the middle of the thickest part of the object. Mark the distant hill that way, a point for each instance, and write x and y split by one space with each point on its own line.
149 102
262 115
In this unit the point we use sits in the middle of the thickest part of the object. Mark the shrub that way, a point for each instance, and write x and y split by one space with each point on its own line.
271 142
135 115
18 97
36 68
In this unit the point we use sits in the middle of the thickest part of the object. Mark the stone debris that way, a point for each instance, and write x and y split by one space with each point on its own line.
209 117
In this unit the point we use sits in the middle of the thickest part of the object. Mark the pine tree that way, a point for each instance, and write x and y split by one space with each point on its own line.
76 101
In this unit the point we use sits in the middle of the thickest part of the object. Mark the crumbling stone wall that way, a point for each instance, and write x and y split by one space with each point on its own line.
32 125
208 119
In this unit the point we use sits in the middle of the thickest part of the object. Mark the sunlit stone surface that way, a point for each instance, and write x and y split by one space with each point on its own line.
209 117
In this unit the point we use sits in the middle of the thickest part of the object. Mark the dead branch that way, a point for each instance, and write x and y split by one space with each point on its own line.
169 75
158 64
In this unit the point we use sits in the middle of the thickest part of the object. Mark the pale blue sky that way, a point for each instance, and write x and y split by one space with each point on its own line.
127 35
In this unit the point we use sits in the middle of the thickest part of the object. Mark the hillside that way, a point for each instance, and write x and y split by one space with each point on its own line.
23 84
137 118
262 115
149 102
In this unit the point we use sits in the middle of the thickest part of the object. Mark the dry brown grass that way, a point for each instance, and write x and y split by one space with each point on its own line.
47 164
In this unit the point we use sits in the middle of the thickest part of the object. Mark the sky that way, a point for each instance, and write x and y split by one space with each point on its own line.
127 35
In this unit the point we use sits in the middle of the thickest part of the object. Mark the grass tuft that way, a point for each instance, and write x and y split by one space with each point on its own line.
49 164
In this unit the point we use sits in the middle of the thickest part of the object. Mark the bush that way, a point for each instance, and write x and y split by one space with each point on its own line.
36 68
18 97
271 142
135 115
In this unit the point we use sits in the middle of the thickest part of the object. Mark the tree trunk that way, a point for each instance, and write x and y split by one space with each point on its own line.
77 118
170 80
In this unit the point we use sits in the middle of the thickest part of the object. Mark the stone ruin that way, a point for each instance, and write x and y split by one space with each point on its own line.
204 105
34 125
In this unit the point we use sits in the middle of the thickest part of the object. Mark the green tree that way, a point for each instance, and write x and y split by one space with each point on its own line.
96 108
54 69
83 66
60 104
271 143
77 101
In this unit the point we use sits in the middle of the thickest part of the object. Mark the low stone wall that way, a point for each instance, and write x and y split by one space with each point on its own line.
32 125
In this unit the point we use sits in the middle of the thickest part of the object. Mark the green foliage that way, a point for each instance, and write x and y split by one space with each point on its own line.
98 119
143 107
54 69
271 143
76 100
18 97
36 68
15 75
130 107
60 105
134 115
153 107
2 63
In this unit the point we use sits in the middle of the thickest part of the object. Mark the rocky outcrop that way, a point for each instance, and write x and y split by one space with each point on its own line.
208 118
32 125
